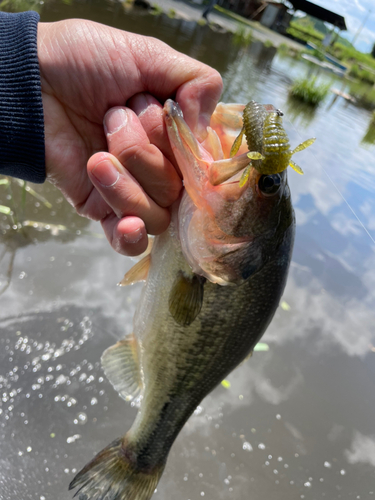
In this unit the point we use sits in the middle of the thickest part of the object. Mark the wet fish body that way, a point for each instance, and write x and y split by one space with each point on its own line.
214 281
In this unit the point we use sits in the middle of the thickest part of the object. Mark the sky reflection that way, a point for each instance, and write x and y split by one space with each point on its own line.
305 408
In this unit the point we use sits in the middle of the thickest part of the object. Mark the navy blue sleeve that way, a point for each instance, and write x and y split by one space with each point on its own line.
22 151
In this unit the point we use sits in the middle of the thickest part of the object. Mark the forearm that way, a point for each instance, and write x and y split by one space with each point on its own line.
21 109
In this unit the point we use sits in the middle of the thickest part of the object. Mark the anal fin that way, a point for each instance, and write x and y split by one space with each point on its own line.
121 367
186 298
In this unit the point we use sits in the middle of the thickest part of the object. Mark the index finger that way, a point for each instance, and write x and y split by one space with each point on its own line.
168 73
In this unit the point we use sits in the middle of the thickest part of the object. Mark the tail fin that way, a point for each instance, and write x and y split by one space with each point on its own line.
112 476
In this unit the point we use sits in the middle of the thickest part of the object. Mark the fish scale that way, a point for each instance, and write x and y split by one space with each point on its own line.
214 280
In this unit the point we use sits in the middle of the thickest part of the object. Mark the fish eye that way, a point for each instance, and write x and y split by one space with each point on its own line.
269 184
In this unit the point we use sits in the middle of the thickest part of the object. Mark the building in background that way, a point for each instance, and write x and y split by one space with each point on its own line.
277 15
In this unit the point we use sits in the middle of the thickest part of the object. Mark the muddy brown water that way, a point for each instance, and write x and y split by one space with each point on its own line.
297 421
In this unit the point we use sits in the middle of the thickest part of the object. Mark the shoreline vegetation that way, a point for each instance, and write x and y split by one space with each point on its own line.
308 91
361 66
360 76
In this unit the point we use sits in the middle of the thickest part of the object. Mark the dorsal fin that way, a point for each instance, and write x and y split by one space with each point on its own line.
121 367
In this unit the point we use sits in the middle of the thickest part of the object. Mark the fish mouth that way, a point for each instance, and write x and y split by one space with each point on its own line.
171 110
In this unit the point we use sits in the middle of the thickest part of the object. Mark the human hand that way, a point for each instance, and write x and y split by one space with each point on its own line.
87 68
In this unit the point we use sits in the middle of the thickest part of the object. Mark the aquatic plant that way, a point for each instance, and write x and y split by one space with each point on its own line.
318 54
20 5
287 50
128 4
299 113
201 21
268 44
283 48
309 92
364 96
15 208
156 10
362 74
369 137
242 36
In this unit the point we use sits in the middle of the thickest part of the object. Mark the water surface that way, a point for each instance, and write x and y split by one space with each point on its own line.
297 421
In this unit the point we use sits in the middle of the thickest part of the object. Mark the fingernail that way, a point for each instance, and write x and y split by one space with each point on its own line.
114 120
134 236
106 173
141 102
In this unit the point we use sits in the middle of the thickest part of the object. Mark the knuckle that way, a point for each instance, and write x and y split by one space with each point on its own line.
167 195
133 203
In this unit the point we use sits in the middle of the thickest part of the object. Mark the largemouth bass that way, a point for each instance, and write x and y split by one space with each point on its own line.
213 282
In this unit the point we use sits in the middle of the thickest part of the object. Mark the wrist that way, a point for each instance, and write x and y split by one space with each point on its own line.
21 111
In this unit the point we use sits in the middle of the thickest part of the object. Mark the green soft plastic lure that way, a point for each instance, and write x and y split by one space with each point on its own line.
268 143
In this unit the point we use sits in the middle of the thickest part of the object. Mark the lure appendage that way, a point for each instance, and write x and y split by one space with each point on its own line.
268 143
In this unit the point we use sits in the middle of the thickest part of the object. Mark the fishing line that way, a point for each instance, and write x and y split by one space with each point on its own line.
228 84
349 206
333 184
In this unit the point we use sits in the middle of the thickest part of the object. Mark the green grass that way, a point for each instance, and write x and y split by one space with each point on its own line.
305 33
171 13
156 10
362 74
362 66
364 95
315 53
369 137
309 92
233 15
286 50
20 5
16 189
268 44
201 21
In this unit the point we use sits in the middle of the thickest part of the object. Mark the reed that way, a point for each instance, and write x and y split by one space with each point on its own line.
309 92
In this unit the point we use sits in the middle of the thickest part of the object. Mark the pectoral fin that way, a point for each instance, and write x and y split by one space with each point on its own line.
185 298
138 272
121 367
